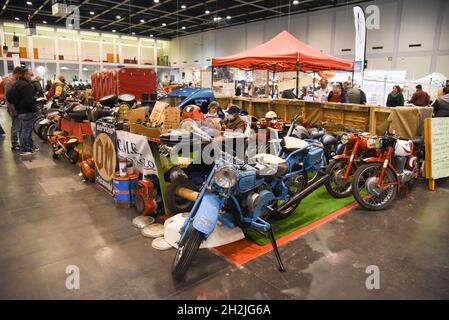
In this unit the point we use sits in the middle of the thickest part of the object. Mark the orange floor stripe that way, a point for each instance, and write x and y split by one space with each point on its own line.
243 251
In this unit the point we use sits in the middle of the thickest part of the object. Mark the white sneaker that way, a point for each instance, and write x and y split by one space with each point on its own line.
26 153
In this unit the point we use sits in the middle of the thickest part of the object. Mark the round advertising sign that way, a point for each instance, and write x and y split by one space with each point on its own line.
105 156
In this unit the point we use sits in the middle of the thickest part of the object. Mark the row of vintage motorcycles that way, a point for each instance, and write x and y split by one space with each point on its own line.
50 112
237 193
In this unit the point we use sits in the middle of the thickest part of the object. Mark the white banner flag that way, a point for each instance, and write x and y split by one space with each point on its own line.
360 37
135 147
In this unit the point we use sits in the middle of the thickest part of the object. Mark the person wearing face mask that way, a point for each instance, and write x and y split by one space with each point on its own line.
233 120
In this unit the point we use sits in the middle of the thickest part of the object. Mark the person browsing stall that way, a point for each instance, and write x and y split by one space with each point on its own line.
395 98
322 94
60 87
15 121
337 94
420 98
22 95
233 120
213 111
441 105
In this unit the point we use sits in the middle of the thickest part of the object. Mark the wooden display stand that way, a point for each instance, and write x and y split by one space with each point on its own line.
436 138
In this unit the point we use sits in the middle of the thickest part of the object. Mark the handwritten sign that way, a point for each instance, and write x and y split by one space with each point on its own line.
440 148
157 115
172 118
135 147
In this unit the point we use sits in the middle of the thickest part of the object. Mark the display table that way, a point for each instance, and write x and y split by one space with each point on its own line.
76 129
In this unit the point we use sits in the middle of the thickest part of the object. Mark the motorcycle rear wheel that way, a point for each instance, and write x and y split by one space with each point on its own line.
338 189
363 196
42 132
36 124
186 253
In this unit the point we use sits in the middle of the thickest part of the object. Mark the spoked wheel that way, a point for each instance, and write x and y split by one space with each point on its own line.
42 132
73 156
337 185
36 124
50 131
366 191
295 185
186 253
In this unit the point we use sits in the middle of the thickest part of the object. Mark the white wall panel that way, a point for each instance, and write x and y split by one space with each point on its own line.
417 67
254 35
298 27
344 32
379 63
208 46
444 40
274 27
320 31
384 37
443 65
230 41
418 24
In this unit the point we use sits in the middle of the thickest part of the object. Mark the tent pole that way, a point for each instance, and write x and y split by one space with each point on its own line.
313 88
212 79
297 79
274 76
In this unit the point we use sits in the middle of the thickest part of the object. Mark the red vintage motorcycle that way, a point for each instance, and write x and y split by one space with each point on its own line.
377 182
343 166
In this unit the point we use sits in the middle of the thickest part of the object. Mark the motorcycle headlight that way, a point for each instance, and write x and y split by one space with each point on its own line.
344 139
225 177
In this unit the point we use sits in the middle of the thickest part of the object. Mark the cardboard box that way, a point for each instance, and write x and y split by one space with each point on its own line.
145 131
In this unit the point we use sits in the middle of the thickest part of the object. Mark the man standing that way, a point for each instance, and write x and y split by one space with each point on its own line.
441 105
60 87
22 95
355 95
420 98
15 121
323 93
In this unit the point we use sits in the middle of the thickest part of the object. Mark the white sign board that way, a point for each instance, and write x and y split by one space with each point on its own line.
16 60
439 148
135 147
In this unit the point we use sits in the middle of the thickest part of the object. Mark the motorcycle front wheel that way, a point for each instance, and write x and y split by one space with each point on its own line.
42 132
186 253
36 124
365 190
336 185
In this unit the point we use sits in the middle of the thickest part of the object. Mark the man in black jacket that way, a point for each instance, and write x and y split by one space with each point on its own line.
22 95
441 105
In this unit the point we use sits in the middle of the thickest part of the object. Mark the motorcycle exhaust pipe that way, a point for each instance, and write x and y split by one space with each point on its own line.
300 196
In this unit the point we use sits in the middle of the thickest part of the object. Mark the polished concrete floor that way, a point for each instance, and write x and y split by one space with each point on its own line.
50 219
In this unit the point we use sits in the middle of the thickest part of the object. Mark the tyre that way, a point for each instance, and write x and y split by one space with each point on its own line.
50 130
36 124
174 203
365 190
295 185
73 156
42 132
186 253
139 204
336 185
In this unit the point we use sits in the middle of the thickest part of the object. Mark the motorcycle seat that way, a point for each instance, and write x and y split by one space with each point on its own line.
291 144
270 166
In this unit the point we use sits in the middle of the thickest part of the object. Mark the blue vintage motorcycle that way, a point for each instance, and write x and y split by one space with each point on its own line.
242 195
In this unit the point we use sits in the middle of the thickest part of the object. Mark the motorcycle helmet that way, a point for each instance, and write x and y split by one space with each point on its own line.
271 116
192 112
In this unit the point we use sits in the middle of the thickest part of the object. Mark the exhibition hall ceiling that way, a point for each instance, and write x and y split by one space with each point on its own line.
163 18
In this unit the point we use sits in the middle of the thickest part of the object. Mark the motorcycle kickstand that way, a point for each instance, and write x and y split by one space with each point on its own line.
276 250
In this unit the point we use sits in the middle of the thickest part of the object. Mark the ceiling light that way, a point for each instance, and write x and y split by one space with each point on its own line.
92 13
45 22
133 33
114 31
183 6
142 21
207 12
118 17
228 17
151 35
64 68
164 24
69 25
16 19
183 28
92 28
29 3
156 1
85 69
295 2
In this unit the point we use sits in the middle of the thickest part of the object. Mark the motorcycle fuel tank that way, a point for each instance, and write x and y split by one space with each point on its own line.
247 181
403 148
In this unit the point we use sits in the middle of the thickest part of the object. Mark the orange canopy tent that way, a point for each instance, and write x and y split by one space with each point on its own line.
284 53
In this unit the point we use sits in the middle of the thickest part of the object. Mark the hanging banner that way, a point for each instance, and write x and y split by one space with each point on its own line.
16 60
135 147
360 38
104 155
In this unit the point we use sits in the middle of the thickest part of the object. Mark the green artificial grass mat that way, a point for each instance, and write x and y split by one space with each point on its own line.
316 206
